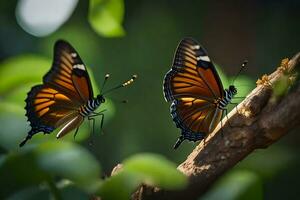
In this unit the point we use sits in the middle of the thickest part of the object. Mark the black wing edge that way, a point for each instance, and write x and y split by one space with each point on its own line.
35 123
167 85
186 133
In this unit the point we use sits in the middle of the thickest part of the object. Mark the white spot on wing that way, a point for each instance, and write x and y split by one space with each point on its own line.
74 55
79 66
196 47
204 58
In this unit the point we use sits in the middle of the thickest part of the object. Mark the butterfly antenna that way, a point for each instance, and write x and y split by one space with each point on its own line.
104 81
244 64
126 83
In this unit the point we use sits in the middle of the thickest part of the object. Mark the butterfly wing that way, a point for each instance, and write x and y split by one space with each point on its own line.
68 73
193 86
66 87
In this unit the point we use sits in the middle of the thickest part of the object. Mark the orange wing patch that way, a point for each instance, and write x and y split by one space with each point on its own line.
40 106
47 105
195 114
210 80
42 112
82 86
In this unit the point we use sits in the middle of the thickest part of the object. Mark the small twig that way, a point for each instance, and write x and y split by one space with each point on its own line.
260 120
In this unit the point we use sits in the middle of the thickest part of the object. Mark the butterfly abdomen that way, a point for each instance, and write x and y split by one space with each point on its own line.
228 95
89 107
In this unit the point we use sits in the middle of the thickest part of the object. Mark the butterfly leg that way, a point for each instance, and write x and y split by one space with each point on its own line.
93 121
76 132
226 114
102 118
102 122
222 132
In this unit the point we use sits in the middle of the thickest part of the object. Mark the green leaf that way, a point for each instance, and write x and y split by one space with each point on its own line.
222 76
8 107
13 130
38 163
68 160
142 168
30 193
155 170
20 70
119 186
244 85
237 185
106 16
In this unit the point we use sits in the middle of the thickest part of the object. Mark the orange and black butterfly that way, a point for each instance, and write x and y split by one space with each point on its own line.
65 98
196 92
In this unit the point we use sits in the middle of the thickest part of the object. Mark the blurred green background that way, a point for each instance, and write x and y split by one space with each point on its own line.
137 37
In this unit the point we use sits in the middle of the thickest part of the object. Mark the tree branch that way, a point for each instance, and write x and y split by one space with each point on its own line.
259 121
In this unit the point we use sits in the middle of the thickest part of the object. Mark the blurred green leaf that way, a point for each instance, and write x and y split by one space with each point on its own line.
13 130
244 85
19 70
222 75
8 107
31 193
38 163
120 186
142 168
18 94
106 16
237 185
155 170
68 160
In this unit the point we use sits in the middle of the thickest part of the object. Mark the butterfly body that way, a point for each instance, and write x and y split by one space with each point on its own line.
226 99
91 106
196 92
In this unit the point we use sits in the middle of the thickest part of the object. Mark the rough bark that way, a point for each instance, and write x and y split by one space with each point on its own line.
259 121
